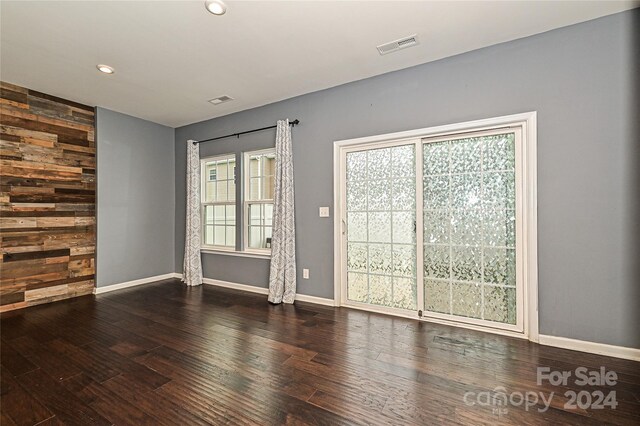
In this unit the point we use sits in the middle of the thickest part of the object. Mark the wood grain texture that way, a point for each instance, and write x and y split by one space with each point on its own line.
47 198
167 354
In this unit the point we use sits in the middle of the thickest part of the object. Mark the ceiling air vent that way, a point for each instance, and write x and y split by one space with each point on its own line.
221 99
403 43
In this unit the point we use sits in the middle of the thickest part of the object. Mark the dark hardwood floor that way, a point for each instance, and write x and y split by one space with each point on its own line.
164 354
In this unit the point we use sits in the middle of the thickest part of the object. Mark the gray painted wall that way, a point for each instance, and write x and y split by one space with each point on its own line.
582 80
136 198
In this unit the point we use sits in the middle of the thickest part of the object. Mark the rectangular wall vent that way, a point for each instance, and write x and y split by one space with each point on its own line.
220 99
403 43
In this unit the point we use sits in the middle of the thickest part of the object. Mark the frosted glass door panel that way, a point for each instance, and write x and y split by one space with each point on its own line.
381 214
469 227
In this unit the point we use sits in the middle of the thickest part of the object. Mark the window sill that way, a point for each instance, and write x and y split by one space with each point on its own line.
254 255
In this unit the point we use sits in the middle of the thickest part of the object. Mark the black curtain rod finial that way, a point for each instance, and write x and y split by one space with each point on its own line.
237 135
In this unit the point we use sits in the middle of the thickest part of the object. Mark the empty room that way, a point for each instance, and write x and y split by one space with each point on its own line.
319 212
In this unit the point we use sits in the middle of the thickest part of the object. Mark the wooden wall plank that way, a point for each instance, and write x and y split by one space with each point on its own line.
47 198
39 254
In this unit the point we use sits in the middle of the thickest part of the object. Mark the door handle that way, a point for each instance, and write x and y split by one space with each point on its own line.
344 227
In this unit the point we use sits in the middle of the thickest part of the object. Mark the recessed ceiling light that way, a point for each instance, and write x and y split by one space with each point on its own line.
217 7
105 69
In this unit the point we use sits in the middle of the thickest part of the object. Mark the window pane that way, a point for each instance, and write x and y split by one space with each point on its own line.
231 215
231 190
208 214
262 166
219 215
436 158
255 214
208 235
221 190
255 192
209 191
500 304
255 237
254 165
260 175
269 165
379 163
466 299
437 296
499 152
268 214
219 236
223 170
231 236
267 185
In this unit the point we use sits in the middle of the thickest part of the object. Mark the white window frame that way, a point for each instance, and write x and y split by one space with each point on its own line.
246 173
204 178
527 185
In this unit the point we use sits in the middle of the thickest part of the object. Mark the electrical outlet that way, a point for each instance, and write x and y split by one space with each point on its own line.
324 211
305 274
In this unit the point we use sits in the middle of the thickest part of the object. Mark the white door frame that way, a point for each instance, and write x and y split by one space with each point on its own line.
527 122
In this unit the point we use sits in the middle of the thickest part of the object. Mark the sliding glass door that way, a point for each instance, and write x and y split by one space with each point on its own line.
469 207
381 223
432 228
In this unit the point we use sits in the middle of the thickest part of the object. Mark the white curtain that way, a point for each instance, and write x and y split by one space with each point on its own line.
282 277
192 267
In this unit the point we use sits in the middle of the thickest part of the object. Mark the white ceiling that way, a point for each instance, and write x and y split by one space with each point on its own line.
172 56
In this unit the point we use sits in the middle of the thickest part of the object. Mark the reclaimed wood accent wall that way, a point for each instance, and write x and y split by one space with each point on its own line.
47 198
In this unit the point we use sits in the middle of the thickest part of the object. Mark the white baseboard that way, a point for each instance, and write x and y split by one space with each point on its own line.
262 290
235 286
591 347
315 299
112 287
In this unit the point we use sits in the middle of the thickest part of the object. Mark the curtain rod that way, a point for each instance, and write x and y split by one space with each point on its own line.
292 124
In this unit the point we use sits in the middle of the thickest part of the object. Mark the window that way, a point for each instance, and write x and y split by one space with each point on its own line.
219 202
220 206
258 172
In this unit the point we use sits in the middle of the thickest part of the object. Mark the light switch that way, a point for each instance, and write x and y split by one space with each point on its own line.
305 274
324 211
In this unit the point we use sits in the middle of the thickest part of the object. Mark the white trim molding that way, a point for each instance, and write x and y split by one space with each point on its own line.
127 284
235 286
262 290
632 354
316 300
